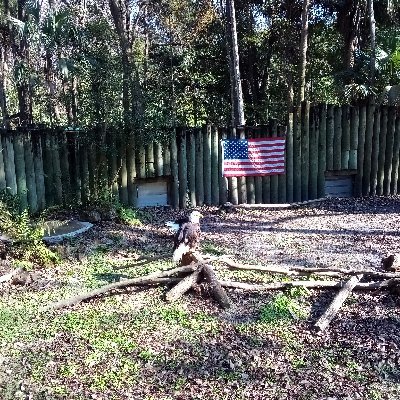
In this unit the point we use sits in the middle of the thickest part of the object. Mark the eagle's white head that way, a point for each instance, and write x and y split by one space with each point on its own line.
194 217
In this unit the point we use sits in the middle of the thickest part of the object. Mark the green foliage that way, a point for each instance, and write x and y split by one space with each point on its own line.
284 306
25 234
132 216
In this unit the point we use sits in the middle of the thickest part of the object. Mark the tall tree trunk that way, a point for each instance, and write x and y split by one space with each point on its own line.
233 51
373 43
303 50
348 25
132 99
23 91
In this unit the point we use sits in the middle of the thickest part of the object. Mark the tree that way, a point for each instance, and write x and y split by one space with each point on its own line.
303 50
234 70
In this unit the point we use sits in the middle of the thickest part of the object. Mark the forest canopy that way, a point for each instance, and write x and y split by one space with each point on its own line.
162 63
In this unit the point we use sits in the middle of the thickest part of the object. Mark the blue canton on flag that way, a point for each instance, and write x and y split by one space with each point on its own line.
253 157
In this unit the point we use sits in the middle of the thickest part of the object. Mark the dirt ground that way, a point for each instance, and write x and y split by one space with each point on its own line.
133 345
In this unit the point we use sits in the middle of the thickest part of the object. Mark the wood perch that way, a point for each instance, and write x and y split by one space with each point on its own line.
307 284
337 302
217 290
183 286
143 280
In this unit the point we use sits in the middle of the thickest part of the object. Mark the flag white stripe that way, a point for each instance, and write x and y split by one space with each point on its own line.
230 167
264 161
267 143
254 172
269 148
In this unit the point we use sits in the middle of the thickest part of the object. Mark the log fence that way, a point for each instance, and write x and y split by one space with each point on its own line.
55 167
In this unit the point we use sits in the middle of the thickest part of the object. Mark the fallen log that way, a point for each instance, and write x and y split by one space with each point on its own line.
307 284
322 271
344 271
183 285
217 291
143 280
337 302
234 265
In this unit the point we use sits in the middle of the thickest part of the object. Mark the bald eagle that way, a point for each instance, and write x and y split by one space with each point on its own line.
187 237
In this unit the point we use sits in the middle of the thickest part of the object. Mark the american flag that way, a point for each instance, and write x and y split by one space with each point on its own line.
253 157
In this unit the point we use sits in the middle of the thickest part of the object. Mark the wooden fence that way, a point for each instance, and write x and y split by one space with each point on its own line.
47 167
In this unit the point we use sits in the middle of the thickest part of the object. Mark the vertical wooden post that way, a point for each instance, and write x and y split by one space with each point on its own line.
366 183
321 151
305 150
84 169
375 150
233 182
313 173
337 139
223 182
258 182
345 136
150 170
48 169
207 164
360 153
174 170
354 123
396 156
382 150
112 163
141 161
158 159
241 180
389 150
282 190
57 181
329 137
250 180
182 168
20 170
191 157
297 155
214 167
103 187
3 183
166 159
64 168
131 170
9 166
38 166
289 157
199 167
274 178
123 172
30 173
265 131
92 166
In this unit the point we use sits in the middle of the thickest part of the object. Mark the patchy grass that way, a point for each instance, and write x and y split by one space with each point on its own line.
133 345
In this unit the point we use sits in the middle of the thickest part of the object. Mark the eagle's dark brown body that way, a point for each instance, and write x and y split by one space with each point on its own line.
187 239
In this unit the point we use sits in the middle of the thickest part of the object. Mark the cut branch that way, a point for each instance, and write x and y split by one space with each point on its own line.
344 271
337 302
308 284
143 280
183 286
234 265
217 290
